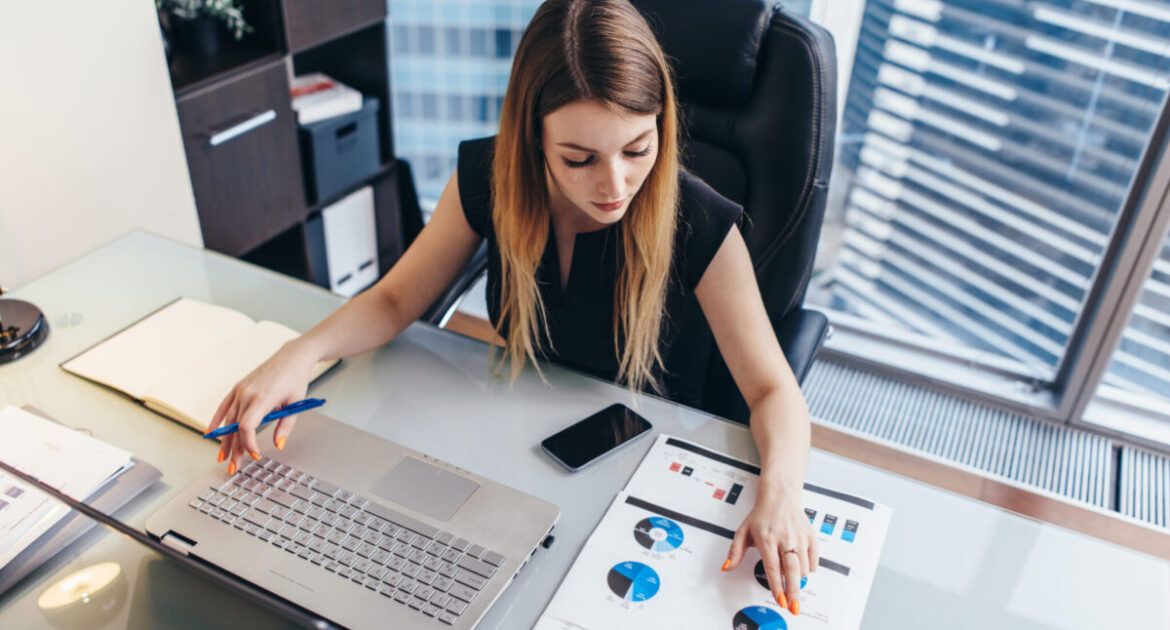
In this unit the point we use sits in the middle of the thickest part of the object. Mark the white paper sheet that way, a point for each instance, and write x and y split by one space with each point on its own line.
654 560
68 460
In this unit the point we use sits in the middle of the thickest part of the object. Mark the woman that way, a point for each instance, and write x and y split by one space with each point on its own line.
598 243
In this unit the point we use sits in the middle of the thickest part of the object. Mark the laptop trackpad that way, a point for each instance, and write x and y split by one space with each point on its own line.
424 488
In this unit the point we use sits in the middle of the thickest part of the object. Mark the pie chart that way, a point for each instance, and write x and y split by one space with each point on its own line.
658 534
633 581
758 618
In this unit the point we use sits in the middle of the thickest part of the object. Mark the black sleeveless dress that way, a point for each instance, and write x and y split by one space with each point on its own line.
580 317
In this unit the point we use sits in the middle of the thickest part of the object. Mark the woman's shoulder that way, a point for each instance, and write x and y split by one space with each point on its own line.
474 169
705 218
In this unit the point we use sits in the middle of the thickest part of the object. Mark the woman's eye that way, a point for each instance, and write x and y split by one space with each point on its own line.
573 164
642 153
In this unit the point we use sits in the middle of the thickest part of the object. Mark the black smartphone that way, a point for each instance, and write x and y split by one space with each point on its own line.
600 434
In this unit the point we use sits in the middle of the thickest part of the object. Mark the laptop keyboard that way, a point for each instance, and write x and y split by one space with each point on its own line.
407 561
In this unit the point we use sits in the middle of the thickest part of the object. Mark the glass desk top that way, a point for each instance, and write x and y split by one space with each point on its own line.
949 561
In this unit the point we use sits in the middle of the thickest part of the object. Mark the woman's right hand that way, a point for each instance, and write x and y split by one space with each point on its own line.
281 380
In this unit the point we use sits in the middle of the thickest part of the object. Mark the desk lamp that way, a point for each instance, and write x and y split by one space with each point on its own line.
23 328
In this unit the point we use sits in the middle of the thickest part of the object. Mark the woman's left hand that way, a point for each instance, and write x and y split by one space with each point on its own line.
779 529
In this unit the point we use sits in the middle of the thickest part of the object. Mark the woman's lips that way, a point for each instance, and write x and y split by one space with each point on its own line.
609 207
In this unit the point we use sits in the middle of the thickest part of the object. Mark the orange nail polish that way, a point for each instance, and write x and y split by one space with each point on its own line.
231 468
782 600
795 607
255 455
726 564
280 442
219 458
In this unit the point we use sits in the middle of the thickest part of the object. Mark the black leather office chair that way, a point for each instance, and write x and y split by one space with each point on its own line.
758 92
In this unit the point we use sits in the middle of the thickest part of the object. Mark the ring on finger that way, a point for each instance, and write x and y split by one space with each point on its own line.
790 551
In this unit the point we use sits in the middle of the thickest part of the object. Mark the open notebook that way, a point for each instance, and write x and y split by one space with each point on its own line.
181 360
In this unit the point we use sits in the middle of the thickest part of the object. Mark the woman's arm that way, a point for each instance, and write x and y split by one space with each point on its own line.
731 301
367 321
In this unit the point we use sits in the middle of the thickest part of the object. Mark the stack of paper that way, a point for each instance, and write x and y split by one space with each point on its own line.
66 459
655 558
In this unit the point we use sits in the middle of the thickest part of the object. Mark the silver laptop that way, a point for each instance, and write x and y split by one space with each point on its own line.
360 531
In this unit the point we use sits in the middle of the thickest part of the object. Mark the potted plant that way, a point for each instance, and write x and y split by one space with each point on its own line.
199 26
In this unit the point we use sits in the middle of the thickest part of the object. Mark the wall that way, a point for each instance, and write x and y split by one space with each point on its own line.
89 139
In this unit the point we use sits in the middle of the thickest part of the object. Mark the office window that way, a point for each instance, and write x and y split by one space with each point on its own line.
1134 395
985 150
449 69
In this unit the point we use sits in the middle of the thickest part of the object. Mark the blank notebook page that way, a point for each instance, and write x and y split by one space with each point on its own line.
150 352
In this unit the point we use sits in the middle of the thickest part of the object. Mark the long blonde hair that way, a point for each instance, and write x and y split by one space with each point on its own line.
601 50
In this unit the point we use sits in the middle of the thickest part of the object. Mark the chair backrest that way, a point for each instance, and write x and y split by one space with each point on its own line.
758 92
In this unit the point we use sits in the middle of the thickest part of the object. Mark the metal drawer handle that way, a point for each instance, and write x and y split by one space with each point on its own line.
239 129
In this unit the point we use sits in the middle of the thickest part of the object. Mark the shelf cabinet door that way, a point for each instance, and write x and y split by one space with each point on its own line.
311 22
241 142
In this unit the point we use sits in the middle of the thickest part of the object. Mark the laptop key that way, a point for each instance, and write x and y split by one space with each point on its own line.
426 576
440 599
259 519
425 592
366 550
417 556
445 538
430 609
362 565
266 536
493 558
476 566
460 544
401 597
452 555
443 584
457 607
218 514
387 590
411 570
396 564
433 563
475 551
416 602
372 583
448 570
401 520
474 581
377 572
345 572
448 618
462 592
325 488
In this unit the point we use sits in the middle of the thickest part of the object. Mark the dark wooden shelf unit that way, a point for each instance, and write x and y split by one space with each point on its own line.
264 44
240 132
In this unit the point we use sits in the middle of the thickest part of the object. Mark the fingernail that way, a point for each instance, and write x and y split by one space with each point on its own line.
795 607
726 564
219 458
255 455
280 442
782 600
231 468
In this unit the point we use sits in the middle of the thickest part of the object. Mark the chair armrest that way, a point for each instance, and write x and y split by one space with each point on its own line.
801 334
444 307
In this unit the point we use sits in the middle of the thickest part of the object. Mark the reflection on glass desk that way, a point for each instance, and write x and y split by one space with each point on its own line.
949 561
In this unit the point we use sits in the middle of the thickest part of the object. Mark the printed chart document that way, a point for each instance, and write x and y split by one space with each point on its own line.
68 460
654 560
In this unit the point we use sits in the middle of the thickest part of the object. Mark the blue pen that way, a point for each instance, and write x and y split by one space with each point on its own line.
292 409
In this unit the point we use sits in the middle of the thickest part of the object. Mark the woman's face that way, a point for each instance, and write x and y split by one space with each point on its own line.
597 158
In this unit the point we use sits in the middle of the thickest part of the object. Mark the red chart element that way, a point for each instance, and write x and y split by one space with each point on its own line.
719 492
674 466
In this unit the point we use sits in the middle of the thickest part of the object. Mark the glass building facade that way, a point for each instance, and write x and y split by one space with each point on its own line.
449 66
986 148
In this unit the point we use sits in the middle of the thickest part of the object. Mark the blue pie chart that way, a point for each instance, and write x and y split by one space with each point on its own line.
658 534
758 618
633 581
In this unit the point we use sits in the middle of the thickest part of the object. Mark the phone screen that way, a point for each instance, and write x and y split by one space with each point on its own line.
596 435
